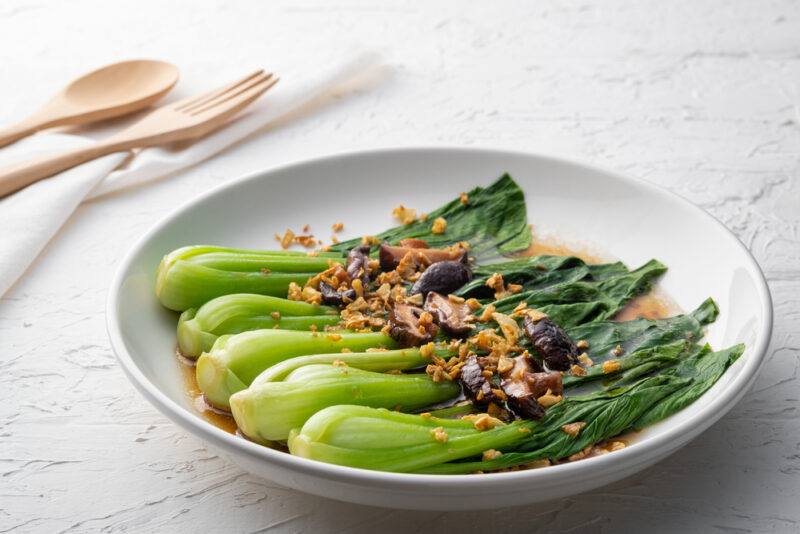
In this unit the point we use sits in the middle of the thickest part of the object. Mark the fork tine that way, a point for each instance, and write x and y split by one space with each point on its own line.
194 100
234 103
222 97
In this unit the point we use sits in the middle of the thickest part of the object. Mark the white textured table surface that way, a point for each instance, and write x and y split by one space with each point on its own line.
700 97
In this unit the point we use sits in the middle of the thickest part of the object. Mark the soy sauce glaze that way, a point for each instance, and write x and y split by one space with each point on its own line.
214 416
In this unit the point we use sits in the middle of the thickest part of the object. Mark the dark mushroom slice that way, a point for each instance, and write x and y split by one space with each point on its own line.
358 264
335 298
475 385
513 383
444 277
450 316
523 364
412 242
525 406
405 327
551 341
390 256
523 385
542 382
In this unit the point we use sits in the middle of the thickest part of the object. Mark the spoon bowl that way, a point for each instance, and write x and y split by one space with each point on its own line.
110 91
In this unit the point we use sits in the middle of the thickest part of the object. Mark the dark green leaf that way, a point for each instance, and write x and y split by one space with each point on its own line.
704 368
639 334
494 222
607 414
632 365
565 288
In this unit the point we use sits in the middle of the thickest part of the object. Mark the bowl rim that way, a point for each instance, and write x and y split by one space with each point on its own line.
638 452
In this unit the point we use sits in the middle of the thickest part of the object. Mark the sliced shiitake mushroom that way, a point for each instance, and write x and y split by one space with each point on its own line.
390 256
335 298
475 385
525 406
551 342
358 264
412 242
451 316
444 277
513 382
405 326
524 383
542 382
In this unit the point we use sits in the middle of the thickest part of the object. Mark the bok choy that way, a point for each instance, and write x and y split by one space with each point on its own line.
198 329
235 360
269 410
191 276
378 361
376 438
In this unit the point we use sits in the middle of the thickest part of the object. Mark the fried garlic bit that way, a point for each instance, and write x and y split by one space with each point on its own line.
439 225
286 240
404 215
439 434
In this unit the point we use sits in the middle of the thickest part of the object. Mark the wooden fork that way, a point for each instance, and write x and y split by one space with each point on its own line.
187 119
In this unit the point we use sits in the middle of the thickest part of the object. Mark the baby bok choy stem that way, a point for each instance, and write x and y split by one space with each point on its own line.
268 411
198 329
376 438
190 276
380 362
235 360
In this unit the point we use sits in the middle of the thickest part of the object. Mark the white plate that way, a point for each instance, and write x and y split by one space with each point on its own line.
628 218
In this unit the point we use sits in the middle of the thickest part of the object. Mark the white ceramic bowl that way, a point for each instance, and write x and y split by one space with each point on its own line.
628 218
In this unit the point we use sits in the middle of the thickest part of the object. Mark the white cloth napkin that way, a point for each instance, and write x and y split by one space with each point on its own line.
31 217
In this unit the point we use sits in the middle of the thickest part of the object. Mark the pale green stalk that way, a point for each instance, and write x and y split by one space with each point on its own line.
191 276
373 438
241 312
380 362
234 361
268 411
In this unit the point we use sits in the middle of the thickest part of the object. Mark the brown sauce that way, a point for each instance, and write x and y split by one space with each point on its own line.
654 305
550 247
214 416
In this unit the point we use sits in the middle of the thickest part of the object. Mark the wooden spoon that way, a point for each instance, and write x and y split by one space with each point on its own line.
189 118
111 91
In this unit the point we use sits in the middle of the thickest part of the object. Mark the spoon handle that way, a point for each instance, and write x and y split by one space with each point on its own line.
9 134
19 175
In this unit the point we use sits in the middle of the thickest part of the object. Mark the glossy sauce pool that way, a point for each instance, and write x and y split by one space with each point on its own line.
214 416
654 305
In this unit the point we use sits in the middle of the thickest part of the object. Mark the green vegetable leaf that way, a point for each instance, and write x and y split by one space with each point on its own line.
639 334
606 414
567 289
494 222
632 365
704 368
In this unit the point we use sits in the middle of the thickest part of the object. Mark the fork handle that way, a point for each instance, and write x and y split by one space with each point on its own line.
22 174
